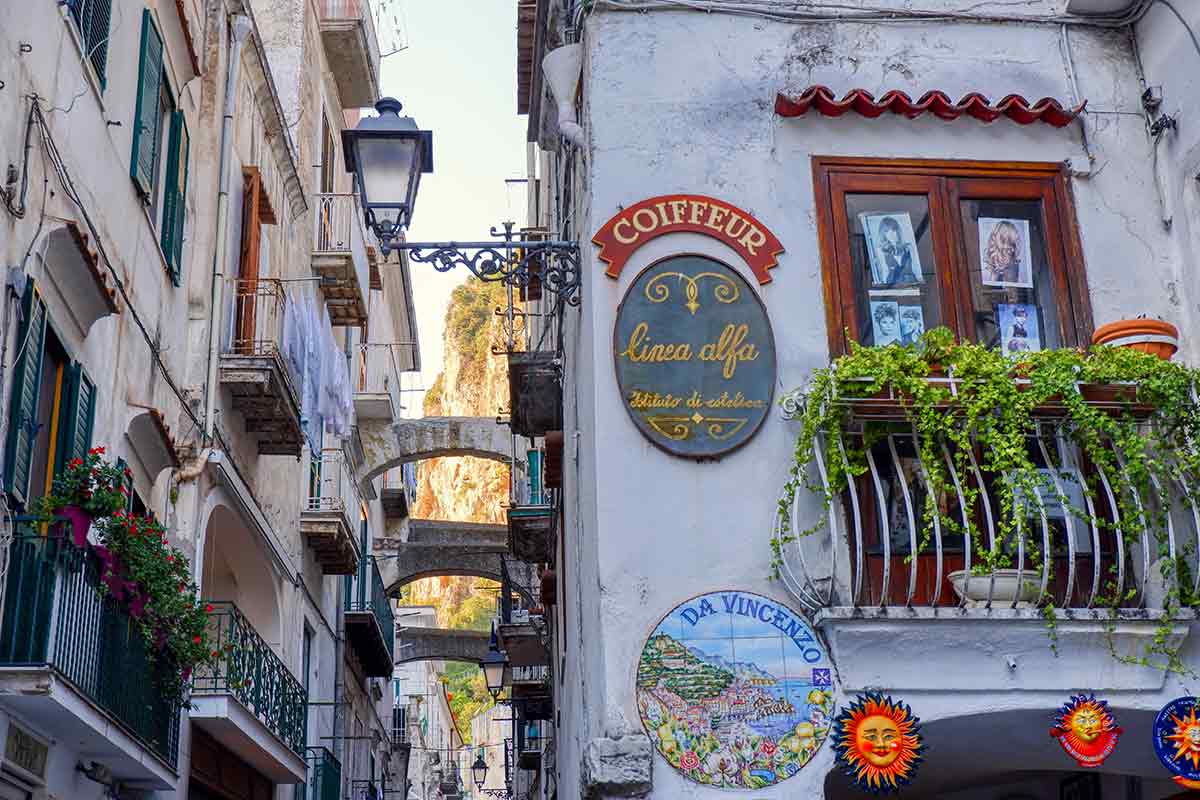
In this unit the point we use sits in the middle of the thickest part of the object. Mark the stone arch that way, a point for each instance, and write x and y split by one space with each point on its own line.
441 644
435 548
389 444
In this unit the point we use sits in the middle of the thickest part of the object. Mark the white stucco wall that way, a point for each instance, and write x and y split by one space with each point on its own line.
679 101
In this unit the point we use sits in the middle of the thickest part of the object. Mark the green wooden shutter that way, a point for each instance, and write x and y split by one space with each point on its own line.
175 195
146 120
23 405
78 417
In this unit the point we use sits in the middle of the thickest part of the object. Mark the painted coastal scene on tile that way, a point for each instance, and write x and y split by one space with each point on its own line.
735 690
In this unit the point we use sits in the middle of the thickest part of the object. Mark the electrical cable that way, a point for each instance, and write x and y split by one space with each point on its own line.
64 176
1180 17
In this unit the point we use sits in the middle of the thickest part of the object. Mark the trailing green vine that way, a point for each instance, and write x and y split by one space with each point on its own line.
1130 422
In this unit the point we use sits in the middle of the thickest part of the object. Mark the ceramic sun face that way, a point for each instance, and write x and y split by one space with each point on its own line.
1186 738
878 742
1086 730
1177 740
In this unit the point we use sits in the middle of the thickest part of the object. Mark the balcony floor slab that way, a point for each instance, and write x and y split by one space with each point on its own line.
51 706
231 724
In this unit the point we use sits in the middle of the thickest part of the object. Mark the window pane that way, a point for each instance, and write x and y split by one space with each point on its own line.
896 290
1010 277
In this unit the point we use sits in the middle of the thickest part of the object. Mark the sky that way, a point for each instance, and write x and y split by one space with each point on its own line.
457 77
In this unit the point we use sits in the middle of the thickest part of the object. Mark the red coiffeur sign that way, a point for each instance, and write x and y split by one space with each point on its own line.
687 213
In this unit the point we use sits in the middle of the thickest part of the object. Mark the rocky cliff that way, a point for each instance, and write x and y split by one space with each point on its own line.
473 383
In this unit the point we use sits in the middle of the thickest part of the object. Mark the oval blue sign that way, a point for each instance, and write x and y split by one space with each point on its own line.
695 356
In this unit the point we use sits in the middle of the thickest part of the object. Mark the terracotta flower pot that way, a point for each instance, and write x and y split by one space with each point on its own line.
1151 336
81 522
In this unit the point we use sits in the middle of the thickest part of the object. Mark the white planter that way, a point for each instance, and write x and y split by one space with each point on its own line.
975 588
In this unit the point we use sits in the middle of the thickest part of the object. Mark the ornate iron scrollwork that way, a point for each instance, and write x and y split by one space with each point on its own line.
516 262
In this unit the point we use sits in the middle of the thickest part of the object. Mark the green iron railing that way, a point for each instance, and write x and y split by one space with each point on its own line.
57 615
365 592
324 776
247 668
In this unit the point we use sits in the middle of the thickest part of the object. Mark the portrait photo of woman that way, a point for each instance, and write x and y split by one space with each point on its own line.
892 249
1004 252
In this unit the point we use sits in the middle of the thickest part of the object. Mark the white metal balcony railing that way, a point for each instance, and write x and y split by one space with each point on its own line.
379 375
339 230
332 486
1077 555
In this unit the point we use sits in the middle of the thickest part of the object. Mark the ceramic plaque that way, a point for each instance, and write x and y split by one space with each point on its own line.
735 690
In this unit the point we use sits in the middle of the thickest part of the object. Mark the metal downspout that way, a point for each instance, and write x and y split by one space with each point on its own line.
239 27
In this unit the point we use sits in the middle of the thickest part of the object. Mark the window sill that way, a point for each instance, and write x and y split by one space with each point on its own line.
85 65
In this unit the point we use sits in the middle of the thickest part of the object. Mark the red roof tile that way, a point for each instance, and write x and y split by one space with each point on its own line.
1014 106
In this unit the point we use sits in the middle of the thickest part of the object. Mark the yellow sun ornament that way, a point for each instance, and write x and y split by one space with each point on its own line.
1086 730
877 742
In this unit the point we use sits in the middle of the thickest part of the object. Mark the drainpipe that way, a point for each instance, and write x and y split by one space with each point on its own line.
239 29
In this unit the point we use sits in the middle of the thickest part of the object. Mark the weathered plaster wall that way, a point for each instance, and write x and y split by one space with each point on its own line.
683 102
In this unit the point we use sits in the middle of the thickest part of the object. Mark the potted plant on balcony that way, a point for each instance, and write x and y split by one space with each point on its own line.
1153 336
153 581
1130 415
86 489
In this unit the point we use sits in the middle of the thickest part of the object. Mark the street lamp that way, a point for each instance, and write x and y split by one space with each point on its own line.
479 771
495 665
387 154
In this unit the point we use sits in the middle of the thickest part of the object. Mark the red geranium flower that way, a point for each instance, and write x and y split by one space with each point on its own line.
208 608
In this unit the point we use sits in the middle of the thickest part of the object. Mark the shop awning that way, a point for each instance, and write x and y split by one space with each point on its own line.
822 100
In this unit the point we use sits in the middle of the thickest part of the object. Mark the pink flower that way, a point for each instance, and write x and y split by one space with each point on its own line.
196 640
689 760
209 608
768 747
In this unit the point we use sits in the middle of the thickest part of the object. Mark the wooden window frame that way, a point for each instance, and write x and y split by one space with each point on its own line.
947 183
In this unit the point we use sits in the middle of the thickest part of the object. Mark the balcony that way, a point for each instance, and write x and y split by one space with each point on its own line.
254 371
370 621
529 746
249 701
339 257
531 533
352 50
365 790
1073 555
324 776
76 665
377 391
329 519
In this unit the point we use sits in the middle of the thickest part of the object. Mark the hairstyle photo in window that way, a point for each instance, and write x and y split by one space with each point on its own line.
1018 325
912 324
892 248
1004 252
885 316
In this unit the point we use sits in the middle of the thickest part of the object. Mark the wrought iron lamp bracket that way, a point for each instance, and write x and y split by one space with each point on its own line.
507 259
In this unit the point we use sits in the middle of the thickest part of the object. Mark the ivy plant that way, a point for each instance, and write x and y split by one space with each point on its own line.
1129 417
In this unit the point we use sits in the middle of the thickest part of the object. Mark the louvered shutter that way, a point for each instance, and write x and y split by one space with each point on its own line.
92 18
78 417
27 379
175 195
146 115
